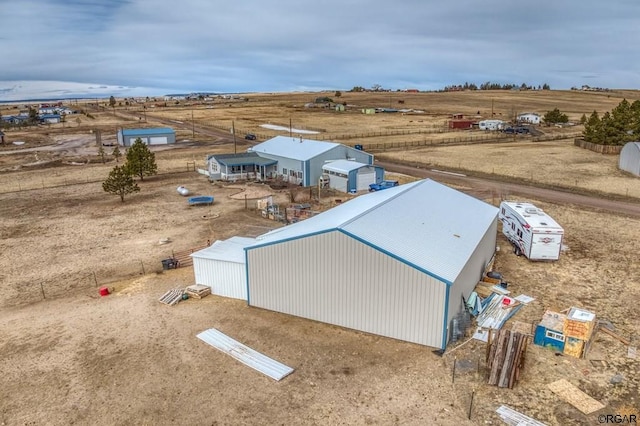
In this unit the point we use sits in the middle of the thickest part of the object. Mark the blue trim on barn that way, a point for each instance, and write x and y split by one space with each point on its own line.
445 321
148 132
363 241
307 173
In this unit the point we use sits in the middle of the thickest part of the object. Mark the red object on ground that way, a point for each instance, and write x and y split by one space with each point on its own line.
104 291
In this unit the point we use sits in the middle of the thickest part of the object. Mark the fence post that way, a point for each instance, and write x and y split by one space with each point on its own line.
42 289
95 279
142 266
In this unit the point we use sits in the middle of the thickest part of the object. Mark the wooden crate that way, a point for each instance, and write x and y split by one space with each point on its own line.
579 324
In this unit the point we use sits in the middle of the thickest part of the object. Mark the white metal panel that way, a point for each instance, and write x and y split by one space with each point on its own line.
338 183
545 246
226 279
245 354
365 178
343 166
336 279
158 140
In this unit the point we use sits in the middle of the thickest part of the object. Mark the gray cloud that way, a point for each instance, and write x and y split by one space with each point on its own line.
167 46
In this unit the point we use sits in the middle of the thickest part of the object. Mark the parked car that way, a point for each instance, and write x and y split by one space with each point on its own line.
250 137
385 184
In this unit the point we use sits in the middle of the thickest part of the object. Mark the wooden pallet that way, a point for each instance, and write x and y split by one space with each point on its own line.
172 296
198 291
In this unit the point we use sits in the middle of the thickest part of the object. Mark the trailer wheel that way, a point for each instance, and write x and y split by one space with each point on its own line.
517 251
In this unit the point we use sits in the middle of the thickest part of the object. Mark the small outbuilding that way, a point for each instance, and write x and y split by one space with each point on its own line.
352 176
222 267
630 158
529 117
151 136
549 331
50 118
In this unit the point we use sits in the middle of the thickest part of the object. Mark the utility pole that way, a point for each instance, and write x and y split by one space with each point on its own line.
193 125
233 132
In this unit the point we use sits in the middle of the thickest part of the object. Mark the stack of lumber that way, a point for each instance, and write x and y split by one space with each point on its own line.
172 296
505 358
198 291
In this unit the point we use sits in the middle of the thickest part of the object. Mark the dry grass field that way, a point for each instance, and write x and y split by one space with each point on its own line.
70 356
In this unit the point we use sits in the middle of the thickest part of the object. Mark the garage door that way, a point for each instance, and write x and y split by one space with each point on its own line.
338 183
365 178
158 140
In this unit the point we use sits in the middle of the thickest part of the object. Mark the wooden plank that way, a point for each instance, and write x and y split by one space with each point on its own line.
507 363
575 396
496 365
614 335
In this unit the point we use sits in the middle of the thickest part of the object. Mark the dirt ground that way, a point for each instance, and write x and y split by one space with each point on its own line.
69 356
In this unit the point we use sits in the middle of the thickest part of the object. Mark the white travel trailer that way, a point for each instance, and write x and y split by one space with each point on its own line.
531 231
491 125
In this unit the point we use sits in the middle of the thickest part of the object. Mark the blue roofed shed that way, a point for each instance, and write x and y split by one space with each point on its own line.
151 136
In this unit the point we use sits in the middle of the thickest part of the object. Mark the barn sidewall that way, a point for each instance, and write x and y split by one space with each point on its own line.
334 278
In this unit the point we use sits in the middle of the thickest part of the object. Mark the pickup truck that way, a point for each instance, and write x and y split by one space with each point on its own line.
382 185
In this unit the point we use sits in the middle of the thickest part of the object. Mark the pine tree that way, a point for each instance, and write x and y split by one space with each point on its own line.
101 153
141 161
116 153
120 182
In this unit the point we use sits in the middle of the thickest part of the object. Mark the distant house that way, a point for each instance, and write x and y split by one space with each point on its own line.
49 118
491 125
153 136
351 176
529 117
630 158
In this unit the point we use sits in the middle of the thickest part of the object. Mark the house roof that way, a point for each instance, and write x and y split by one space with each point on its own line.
425 224
242 159
152 131
343 166
294 148
231 250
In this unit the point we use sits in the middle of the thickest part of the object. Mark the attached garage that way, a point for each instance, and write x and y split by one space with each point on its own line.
395 263
153 136
222 267
352 176
630 158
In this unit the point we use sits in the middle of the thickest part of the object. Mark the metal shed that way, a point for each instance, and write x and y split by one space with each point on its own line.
222 267
300 160
351 176
630 158
394 263
153 136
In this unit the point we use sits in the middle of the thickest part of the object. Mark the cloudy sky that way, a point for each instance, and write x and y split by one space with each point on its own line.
65 48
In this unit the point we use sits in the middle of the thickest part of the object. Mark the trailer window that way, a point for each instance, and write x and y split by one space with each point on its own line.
519 233
513 226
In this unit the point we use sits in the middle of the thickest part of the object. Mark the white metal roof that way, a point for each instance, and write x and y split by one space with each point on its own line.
231 250
343 166
249 357
534 216
424 223
295 148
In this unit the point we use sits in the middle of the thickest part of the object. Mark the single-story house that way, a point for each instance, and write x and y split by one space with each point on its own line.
395 263
152 136
300 161
242 166
629 160
529 117
491 125
222 267
352 176
50 118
